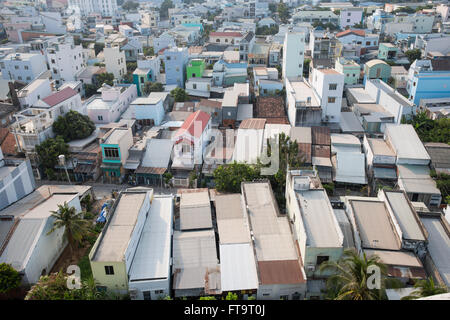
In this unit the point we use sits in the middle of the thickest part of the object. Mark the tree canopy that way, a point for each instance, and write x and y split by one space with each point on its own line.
164 9
130 6
283 12
73 126
153 87
228 178
425 288
179 95
413 55
265 30
431 130
9 278
149 51
49 150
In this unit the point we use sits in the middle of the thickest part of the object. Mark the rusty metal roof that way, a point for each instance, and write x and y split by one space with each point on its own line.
280 272
321 135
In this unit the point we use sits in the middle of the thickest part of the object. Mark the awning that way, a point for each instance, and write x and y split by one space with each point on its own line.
131 165
85 168
384 173
150 170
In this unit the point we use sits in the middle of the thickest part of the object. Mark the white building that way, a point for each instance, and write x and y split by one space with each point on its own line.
106 8
149 277
115 61
32 92
199 87
34 125
329 85
112 103
249 141
30 249
350 16
316 229
293 54
303 107
280 270
17 180
65 60
23 67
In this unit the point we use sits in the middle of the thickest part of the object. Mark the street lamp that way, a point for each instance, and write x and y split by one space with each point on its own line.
62 162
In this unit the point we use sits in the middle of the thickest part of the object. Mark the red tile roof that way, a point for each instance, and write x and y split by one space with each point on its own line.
7 141
189 125
225 34
361 33
253 123
60 96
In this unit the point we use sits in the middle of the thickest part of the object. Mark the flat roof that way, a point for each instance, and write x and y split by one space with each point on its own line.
361 95
351 167
194 249
374 225
438 246
248 145
350 123
99 103
195 210
238 267
396 258
317 216
117 235
406 217
346 228
416 179
301 134
380 147
344 139
302 91
115 136
157 153
273 237
152 257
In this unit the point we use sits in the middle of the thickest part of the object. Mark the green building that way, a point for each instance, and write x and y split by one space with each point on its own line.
387 51
350 69
377 69
195 68
115 145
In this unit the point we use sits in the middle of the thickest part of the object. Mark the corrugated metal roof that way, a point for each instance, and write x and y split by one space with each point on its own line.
22 242
350 168
346 228
195 211
406 217
439 247
396 258
228 206
410 148
117 235
384 173
152 256
350 123
238 267
416 179
301 134
317 216
157 153
280 272
321 135
253 123
248 146
194 249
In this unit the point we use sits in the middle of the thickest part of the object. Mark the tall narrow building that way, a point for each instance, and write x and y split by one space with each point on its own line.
293 54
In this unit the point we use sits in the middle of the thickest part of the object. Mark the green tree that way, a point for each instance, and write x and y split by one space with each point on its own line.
413 55
265 30
73 126
9 278
306 64
149 51
131 66
90 90
130 6
283 12
179 95
272 7
350 276
106 77
49 150
425 288
153 87
54 287
75 227
228 177
207 298
231 296
98 47
164 9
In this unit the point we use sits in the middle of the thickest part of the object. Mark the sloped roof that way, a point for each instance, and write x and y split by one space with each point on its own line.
189 124
60 96
360 33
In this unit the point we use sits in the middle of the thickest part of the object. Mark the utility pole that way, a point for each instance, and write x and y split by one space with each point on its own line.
62 161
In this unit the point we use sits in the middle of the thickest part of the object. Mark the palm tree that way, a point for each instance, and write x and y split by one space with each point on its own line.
425 288
75 226
350 276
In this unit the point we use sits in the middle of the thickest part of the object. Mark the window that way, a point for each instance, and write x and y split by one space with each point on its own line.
25 67
16 67
109 270
284 297
159 291
332 86
321 259
367 43
142 80
348 20
186 148
100 118
19 77
217 40
28 78
147 295
194 86
111 152
331 99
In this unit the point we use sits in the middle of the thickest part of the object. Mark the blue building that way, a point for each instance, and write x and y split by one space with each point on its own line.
175 61
150 110
429 79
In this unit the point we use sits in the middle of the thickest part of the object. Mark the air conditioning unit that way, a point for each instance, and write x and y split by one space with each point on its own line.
310 268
